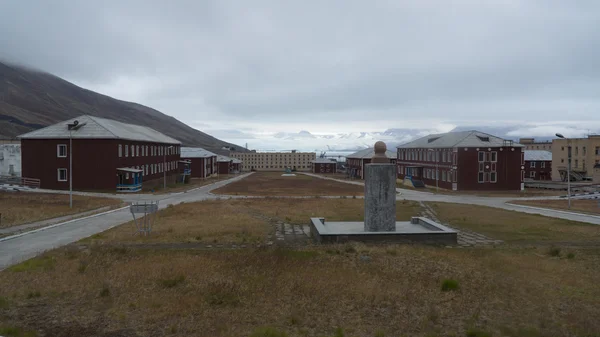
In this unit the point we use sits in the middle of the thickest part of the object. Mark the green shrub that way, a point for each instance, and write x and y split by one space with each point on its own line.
223 292
9 331
350 249
172 282
570 256
82 266
449 285
33 294
105 292
3 303
379 334
268 332
42 262
554 251
339 332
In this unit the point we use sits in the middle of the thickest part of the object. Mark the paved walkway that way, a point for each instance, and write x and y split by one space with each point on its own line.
27 245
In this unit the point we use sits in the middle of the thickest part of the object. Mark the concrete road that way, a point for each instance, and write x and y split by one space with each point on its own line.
27 245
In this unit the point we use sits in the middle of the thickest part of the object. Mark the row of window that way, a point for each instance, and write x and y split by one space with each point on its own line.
146 169
532 164
429 156
442 175
487 156
487 177
597 150
274 166
145 150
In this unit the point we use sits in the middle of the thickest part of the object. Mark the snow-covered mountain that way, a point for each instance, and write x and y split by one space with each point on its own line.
354 141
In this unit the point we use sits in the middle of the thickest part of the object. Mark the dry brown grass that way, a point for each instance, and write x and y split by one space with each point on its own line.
241 220
311 292
577 205
515 227
22 208
273 184
530 192
193 183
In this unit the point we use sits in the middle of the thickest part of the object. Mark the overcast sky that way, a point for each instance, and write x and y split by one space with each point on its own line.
261 67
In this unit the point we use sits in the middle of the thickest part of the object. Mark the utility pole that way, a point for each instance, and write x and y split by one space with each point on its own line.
70 169
568 167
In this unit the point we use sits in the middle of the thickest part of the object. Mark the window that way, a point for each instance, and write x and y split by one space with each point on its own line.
62 174
598 150
126 151
584 151
120 150
532 174
61 150
443 175
576 162
488 156
543 164
532 164
493 177
481 156
576 150
133 150
522 176
454 158
481 166
494 157
562 148
480 177
137 150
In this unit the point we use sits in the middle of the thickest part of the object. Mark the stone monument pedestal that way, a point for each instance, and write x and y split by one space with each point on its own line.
380 223
380 198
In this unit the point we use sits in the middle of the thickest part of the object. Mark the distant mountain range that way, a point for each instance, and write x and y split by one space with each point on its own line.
31 99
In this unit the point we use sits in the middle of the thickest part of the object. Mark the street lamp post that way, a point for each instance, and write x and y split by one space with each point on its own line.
437 185
568 168
165 166
72 126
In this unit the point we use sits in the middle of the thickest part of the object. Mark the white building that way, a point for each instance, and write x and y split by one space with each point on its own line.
10 160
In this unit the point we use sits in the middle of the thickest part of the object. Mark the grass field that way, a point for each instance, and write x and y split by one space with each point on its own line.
193 183
350 290
273 184
21 208
516 227
586 206
531 192
242 220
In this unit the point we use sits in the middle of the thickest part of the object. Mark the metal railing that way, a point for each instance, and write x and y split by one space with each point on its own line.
20 181
129 188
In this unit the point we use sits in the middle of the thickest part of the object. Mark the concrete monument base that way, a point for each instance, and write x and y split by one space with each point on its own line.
418 230
288 175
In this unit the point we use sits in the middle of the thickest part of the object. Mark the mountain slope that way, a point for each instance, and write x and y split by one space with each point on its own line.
30 99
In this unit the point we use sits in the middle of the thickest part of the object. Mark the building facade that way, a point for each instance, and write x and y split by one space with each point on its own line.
203 163
10 159
538 165
585 154
355 163
531 144
324 165
468 160
596 174
106 155
275 161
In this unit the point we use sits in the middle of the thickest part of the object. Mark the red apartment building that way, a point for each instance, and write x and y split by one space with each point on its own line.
203 162
467 160
356 162
324 165
106 155
538 165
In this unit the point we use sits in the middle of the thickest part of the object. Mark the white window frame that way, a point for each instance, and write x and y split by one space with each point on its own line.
532 174
58 174
137 150
494 157
481 156
120 150
480 177
126 151
58 147
543 164
132 151
495 175
532 164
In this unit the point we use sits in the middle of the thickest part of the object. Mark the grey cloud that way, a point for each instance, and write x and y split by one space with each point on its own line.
324 61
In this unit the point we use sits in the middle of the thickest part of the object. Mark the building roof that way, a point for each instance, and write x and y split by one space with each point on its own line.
195 152
538 155
471 138
236 161
100 128
222 159
368 153
323 161
129 169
